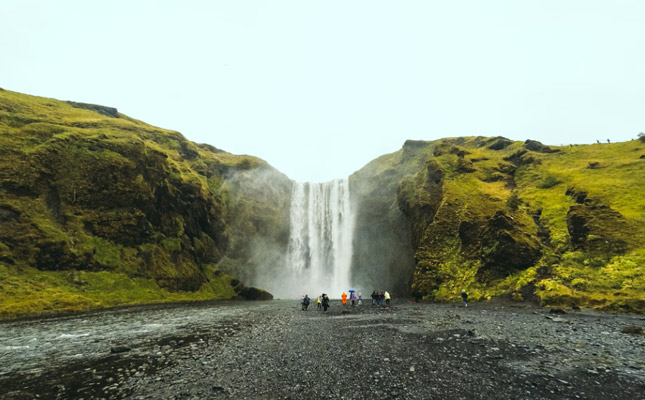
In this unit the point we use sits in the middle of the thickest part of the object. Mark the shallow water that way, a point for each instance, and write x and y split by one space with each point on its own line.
33 345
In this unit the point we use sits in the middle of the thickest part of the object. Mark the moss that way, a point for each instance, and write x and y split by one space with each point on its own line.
130 212
105 252
532 190
33 292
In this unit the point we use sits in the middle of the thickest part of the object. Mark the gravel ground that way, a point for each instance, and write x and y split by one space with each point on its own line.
273 350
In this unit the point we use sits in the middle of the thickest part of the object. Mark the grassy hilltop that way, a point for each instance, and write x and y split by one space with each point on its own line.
563 225
98 209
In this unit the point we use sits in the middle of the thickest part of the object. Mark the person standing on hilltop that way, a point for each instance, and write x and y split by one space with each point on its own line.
464 297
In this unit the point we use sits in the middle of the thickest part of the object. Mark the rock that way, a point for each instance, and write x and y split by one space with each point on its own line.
597 227
103 110
500 144
465 166
557 319
506 246
534 145
557 311
119 349
250 293
521 157
632 329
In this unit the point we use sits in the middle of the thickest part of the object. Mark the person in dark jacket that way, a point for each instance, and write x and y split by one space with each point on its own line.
464 297
325 302
374 296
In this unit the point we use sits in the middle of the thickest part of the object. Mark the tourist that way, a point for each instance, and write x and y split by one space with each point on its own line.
360 299
386 295
344 298
374 298
319 303
464 297
325 302
305 303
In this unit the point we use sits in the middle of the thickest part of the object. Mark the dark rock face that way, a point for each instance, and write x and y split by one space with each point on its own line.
520 158
578 196
250 293
422 214
596 228
103 110
534 145
500 144
506 247
383 256
465 166
8 214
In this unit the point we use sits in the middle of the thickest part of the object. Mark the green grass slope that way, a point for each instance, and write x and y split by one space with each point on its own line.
563 225
98 209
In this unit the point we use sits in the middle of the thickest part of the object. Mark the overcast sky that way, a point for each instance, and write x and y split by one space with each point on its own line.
320 88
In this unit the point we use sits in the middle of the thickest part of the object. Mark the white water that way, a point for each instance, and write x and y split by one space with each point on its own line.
320 246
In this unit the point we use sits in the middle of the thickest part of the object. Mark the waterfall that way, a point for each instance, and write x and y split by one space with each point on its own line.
320 245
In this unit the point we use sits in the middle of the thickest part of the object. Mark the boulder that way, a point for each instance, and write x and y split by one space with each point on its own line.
500 144
534 145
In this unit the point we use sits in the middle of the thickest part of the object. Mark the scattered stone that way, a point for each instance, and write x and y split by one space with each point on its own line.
556 319
119 349
632 329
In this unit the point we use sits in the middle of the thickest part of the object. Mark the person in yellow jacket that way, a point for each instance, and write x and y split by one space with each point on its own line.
319 303
386 296
344 298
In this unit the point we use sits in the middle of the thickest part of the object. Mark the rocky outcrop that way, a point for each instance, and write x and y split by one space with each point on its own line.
506 246
596 228
103 110
534 145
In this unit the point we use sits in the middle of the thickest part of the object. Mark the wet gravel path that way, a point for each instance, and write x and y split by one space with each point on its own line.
273 350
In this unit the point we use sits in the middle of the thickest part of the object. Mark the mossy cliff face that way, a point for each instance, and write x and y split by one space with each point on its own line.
562 225
90 197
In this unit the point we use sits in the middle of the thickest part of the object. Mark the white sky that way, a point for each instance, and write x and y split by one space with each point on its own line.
320 88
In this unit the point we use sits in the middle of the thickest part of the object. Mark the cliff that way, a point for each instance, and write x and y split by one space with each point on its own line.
98 209
560 225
